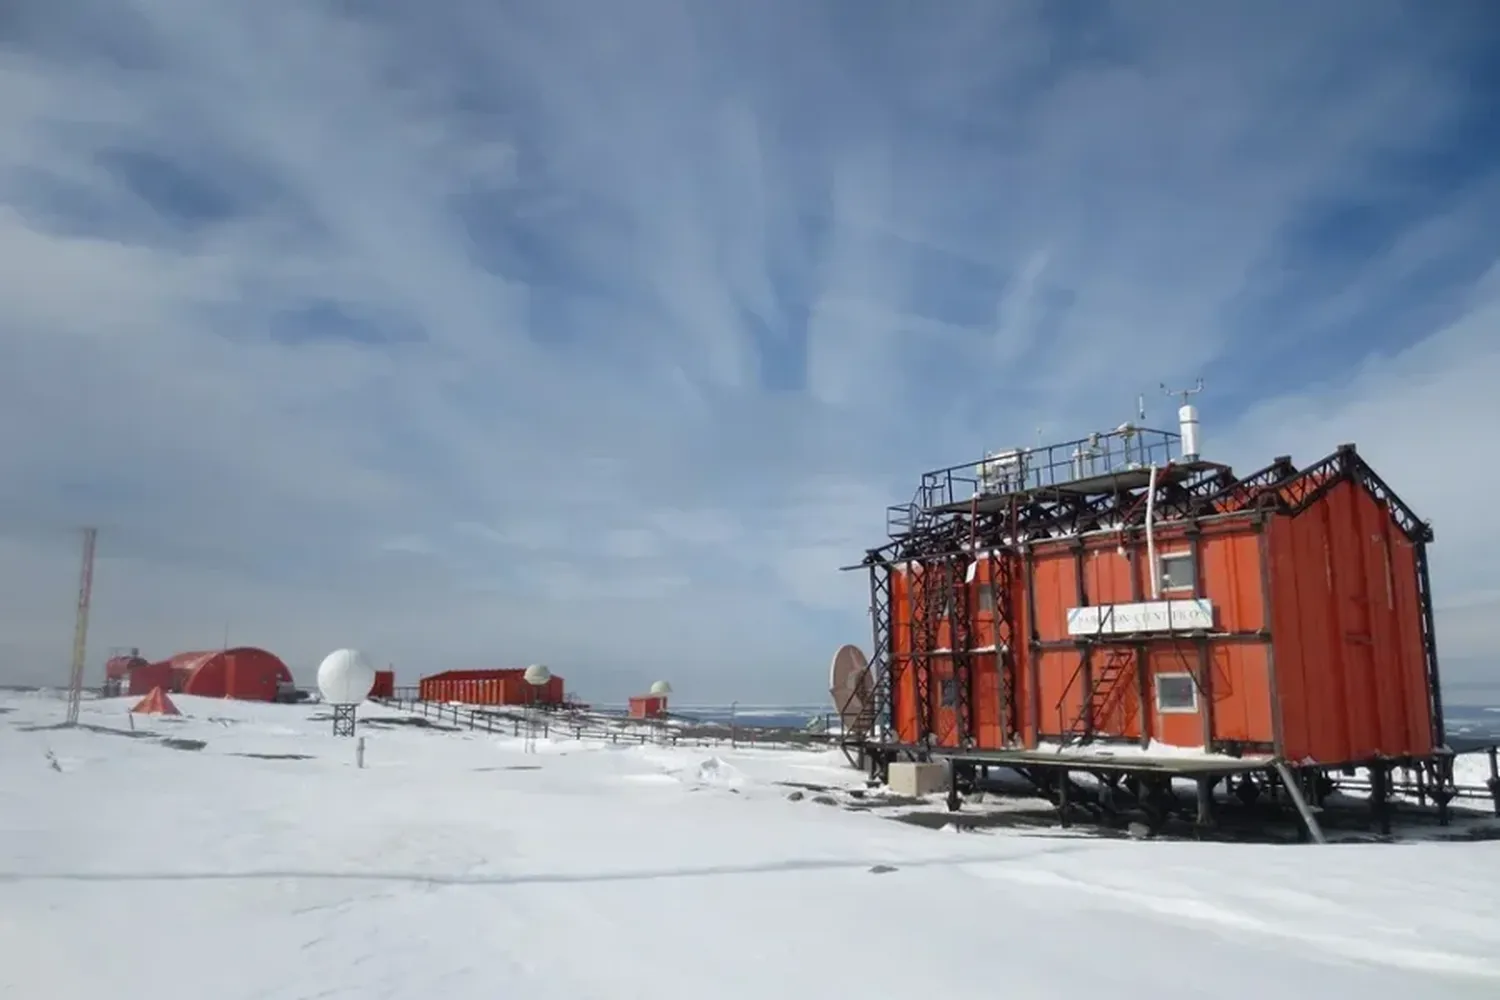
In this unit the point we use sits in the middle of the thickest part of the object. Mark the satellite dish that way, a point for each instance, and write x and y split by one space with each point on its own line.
850 685
345 677
537 675
661 688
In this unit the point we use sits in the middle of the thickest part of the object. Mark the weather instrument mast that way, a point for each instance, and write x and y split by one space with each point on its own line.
1187 420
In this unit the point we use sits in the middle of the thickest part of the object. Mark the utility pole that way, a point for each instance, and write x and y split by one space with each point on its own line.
81 625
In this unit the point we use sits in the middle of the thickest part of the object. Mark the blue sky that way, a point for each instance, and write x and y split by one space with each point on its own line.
600 334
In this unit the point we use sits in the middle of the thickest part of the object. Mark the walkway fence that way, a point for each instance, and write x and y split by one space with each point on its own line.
721 728
816 717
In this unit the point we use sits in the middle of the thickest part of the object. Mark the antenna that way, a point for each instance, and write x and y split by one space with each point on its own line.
1140 407
1184 393
81 625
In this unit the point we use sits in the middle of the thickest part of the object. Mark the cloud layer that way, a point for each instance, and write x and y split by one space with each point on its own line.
602 334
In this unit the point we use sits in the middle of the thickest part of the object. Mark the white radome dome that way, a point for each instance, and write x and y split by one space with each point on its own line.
661 687
536 675
345 677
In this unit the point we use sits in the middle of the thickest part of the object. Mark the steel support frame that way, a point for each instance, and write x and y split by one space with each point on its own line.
883 666
344 720
1006 635
1303 788
922 621
1429 648
961 642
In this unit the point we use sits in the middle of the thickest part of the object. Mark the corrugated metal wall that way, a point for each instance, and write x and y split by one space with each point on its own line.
488 687
1346 616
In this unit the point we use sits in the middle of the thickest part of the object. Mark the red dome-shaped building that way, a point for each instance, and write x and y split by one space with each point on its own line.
245 673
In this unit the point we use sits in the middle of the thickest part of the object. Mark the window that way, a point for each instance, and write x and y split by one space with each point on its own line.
1179 571
987 598
950 693
1176 693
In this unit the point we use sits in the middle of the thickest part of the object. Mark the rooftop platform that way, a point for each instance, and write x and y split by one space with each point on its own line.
1103 464
1117 481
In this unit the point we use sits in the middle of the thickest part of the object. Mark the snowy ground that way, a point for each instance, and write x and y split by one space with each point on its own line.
458 865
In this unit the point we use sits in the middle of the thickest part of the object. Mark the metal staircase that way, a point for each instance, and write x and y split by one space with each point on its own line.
1109 685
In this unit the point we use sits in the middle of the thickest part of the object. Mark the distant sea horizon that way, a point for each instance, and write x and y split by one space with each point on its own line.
1471 713
1469 723
1472 723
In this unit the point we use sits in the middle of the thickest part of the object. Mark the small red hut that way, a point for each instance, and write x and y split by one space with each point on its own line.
648 706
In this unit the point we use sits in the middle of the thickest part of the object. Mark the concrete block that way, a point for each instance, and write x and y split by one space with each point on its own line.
917 780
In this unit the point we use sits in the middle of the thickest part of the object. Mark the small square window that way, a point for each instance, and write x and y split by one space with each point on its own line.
1179 571
950 693
1176 693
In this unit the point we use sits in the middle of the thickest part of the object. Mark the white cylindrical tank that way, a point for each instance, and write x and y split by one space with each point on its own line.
537 675
1187 423
345 677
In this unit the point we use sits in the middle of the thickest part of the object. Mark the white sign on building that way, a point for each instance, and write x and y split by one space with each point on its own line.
1187 615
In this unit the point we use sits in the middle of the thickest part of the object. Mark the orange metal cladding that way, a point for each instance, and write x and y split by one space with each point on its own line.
145 677
1346 611
1230 665
1049 681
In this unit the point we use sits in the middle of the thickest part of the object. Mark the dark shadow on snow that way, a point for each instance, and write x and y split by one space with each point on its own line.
536 878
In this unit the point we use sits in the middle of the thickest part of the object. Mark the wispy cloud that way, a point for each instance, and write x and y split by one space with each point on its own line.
601 334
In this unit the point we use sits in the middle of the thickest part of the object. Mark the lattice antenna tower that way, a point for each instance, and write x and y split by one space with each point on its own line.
81 625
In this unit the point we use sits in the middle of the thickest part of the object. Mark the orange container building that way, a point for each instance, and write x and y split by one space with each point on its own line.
1117 596
489 687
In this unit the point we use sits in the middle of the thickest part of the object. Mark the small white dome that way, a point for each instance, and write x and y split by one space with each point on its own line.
536 675
661 687
345 677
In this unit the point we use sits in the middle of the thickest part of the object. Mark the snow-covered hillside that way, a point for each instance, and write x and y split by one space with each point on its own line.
264 864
